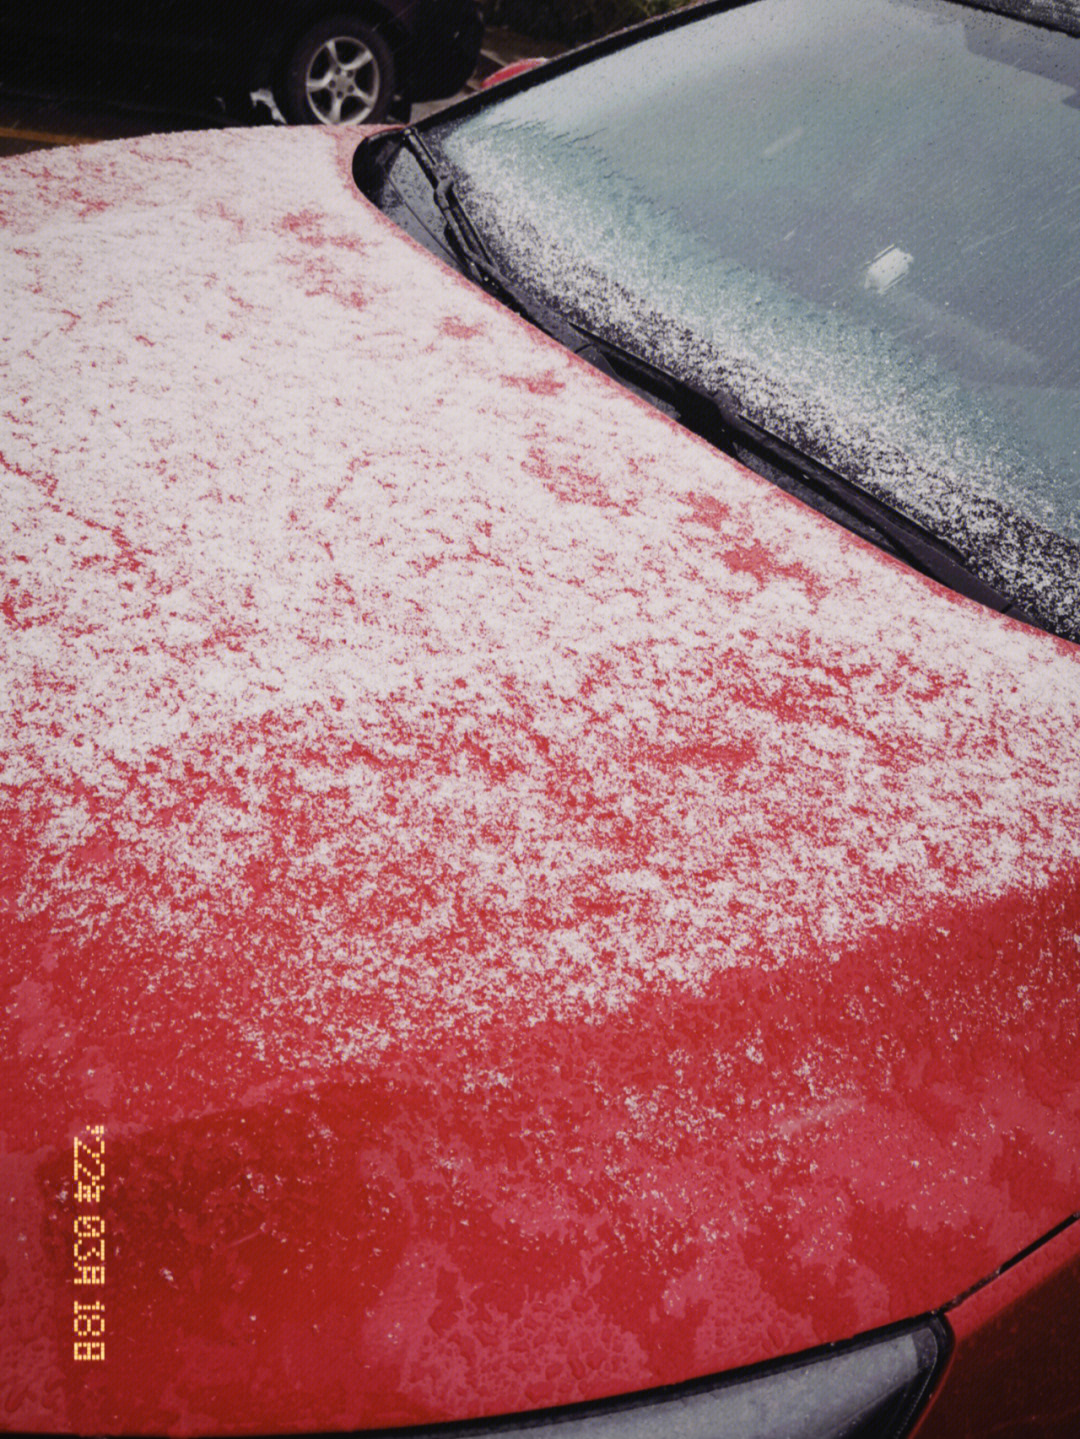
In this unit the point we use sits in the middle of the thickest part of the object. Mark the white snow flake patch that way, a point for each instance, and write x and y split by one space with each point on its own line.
374 636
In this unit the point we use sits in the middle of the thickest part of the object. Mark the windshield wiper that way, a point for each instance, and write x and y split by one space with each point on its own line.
717 418
473 257
715 415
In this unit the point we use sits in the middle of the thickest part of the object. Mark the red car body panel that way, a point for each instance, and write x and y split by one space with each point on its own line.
509 72
537 912
1013 1370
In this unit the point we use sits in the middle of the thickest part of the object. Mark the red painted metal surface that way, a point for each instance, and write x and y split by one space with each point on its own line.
536 912
1015 1371
507 72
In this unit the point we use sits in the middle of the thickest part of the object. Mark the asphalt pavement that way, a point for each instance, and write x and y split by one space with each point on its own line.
42 110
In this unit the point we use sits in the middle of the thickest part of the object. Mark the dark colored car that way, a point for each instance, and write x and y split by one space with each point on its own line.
337 64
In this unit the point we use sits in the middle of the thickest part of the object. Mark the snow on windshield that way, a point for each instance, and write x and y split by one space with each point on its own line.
872 259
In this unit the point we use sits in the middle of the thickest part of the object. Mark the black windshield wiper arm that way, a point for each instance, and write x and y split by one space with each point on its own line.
472 255
715 416
475 261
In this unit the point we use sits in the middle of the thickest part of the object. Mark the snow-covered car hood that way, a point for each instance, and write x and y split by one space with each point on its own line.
537 912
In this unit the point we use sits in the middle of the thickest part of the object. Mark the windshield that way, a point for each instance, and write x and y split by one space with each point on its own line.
861 218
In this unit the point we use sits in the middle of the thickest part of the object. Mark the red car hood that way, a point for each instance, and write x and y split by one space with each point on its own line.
537 912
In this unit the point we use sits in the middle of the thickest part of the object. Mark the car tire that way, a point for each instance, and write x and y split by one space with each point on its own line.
340 72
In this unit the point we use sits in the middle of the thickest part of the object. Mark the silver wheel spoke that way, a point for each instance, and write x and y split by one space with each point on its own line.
342 81
363 57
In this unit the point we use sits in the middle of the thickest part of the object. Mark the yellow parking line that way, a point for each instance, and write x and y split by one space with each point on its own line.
41 137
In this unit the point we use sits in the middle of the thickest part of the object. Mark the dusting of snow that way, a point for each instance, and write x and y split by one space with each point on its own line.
298 585
868 361
521 890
